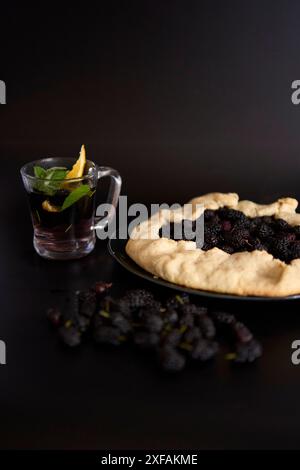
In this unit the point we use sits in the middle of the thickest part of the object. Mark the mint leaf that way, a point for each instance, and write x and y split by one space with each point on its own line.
39 172
50 179
75 195
56 173
53 179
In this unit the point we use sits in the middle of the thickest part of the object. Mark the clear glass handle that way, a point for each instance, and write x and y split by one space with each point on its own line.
101 220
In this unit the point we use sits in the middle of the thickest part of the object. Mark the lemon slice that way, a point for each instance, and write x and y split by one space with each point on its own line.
78 167
47 206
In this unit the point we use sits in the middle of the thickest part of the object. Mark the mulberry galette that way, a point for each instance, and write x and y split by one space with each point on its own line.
249 248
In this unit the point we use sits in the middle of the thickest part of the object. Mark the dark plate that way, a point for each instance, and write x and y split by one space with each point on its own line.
116 248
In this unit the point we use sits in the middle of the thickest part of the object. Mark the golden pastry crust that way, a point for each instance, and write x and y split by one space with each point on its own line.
246 273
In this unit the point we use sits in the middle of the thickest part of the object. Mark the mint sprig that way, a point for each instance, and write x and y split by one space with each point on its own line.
49 180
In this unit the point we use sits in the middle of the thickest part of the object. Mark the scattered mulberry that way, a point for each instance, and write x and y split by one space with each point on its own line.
71 336
107 335
54 315
224 318
248 352
170 316
100 287
193 309
171 360
204 349
177 328
176 301
173 338
192 334
187 319
207 327
118 320
138 298
153 322
87 302
242 332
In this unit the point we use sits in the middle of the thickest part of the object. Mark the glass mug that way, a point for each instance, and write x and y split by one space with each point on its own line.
63 210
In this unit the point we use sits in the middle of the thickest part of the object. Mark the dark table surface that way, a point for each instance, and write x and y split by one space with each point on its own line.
52 397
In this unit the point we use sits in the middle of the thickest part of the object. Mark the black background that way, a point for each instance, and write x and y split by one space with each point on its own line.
182 97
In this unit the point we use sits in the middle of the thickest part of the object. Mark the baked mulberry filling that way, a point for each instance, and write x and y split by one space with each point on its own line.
232 231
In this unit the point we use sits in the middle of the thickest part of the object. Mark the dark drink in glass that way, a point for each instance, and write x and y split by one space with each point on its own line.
65 232
62 206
